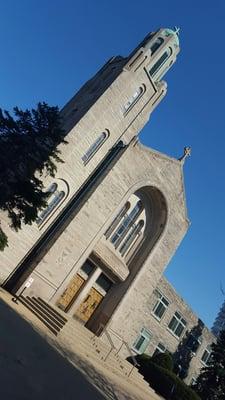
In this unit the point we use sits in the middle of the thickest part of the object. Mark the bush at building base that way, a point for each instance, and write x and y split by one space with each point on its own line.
164 381
163 360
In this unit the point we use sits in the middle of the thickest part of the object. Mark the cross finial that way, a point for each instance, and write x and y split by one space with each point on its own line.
187 153
177 30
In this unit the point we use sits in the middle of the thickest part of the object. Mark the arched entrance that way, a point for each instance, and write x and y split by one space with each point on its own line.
96 289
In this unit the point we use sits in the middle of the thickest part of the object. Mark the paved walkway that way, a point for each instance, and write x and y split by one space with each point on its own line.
35 366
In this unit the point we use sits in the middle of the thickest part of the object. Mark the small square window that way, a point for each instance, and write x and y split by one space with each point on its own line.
104 282
160 306
177 325
160 348
206 355
142 341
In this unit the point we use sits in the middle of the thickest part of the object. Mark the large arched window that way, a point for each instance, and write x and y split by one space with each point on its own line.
138 224
54 198
126 224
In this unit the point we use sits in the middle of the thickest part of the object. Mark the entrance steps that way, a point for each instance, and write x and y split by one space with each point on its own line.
77 339
85 343
49 316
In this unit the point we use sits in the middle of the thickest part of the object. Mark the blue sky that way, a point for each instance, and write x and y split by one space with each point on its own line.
50 48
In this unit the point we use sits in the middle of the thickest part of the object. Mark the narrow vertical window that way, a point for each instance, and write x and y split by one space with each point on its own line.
155 46
133 99
156 67
55 198
52 188
125 225
94 147
131 237
118 218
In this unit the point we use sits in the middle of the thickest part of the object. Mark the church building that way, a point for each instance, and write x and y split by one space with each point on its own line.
116 209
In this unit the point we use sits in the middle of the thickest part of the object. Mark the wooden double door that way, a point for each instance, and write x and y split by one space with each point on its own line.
88 305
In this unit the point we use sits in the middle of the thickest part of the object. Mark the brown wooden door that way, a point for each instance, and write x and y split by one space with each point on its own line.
71 292
89 305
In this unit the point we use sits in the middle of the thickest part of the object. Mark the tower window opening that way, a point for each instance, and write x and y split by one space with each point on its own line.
133 99
155 46
125 225
156 67
95 147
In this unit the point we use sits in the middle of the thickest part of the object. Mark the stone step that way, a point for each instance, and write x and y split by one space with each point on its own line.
84 341
42 319
112 364
43 311
42 314
85 346
80 333
55 310
49 310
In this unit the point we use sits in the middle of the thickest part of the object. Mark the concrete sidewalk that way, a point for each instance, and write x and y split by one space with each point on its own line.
34 365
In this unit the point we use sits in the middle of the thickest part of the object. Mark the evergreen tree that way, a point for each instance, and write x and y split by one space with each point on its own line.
28 149
210 384
186 350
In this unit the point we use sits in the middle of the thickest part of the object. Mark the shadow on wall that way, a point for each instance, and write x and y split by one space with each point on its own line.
186 349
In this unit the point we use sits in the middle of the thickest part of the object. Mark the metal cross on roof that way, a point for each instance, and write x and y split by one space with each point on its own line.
177 30
187 153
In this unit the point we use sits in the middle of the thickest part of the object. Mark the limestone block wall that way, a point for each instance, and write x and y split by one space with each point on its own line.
137 167
136 312
106 113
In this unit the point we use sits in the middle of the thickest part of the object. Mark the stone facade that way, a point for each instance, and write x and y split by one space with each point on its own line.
116 211
150 316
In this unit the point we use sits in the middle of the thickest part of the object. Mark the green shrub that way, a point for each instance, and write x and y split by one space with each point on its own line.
141 359
165 382
164 360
